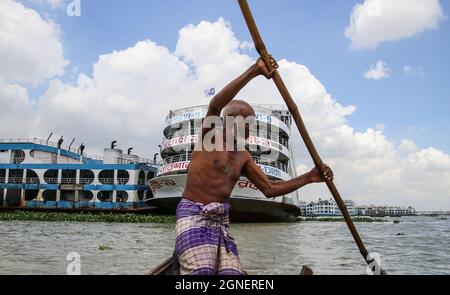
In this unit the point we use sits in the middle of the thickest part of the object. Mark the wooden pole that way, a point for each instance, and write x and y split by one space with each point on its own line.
261 48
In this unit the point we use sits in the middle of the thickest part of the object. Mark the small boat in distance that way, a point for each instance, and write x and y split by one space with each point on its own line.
248 204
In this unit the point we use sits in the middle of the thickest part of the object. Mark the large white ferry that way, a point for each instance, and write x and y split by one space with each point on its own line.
248 204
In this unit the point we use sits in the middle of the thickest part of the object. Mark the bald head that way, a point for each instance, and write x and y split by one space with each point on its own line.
238 108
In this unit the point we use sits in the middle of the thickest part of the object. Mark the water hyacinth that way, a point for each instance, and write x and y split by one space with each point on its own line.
83 217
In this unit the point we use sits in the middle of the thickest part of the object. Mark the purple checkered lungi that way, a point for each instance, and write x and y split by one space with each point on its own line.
204 245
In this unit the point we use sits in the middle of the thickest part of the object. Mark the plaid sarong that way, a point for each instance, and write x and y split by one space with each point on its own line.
204 245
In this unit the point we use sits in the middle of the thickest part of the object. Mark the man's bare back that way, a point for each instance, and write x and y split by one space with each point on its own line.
212 175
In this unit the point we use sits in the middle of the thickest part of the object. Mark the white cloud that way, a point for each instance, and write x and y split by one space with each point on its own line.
131 91
15 110
408 146
51 3
377 21
30 50
410 71
377 71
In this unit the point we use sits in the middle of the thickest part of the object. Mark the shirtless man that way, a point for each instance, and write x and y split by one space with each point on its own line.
203 244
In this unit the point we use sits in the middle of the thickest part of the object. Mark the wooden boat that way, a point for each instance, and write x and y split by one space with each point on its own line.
172 267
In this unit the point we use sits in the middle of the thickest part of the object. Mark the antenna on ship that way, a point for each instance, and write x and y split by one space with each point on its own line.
60 142
129 150
70 145
113 144
46 143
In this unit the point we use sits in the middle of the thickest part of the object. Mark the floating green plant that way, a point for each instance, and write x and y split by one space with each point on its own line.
104 248
19 215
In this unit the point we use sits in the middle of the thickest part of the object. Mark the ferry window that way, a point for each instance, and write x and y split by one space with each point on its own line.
30 195
18 156
105 196
13 197
51 176
141 179
106 177
122 197
86 177
150 175
2 178
32 153
85 196
32 177
16 176
68 176
141 195
123 177
49 196
68 196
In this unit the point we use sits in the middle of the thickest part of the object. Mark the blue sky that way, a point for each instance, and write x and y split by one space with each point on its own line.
308 32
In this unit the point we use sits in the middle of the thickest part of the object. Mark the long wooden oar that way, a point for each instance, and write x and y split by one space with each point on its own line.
261 48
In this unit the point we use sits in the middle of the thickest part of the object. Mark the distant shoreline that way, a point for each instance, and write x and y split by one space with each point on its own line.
21 215
341 219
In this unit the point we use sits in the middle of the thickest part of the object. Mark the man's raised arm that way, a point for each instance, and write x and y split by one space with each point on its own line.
273 189
227 94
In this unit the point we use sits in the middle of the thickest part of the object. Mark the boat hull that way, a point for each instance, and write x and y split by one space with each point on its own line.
242 209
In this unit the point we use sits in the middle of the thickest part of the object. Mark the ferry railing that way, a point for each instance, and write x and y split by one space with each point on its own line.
51 180
68 181
106 181
278 111
85 181
15 180
122 181
2 179
195 131
174 113
32 180
261 161
39 141
271 163
125 161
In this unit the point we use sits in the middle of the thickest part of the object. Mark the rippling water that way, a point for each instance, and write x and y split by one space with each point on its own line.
41 247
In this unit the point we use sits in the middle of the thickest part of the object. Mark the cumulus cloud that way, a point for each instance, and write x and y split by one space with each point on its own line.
30 50
15 111
377 71
377 21
131 91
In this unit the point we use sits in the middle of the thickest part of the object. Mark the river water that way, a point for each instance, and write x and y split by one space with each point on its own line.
417 245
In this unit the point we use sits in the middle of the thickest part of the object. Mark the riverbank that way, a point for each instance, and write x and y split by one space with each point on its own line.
84 217
19 215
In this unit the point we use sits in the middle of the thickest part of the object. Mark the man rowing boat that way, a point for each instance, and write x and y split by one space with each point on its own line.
204 245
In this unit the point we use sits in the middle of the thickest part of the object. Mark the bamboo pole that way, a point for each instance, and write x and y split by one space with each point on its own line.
261 48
